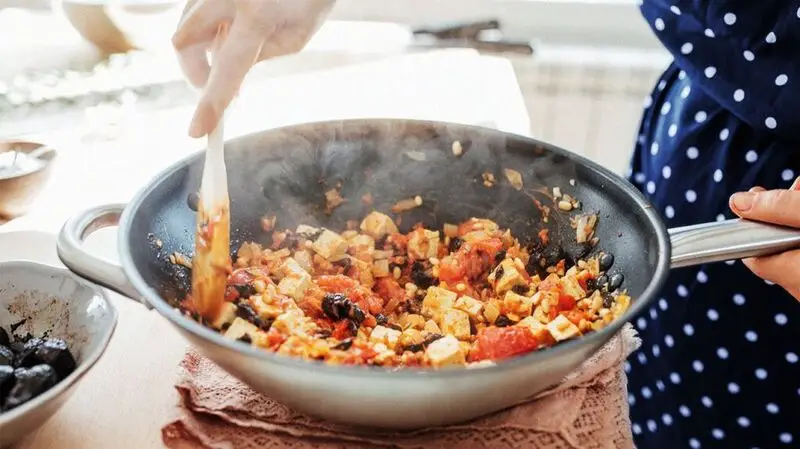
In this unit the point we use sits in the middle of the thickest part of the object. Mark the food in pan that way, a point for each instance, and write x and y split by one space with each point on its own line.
30 366
465 295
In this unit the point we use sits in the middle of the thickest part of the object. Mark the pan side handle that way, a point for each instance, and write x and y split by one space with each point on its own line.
729 240
86 265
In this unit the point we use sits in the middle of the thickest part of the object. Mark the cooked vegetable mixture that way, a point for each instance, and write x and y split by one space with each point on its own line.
467 294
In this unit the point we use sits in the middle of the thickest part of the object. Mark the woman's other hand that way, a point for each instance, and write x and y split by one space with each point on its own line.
250 31
780 207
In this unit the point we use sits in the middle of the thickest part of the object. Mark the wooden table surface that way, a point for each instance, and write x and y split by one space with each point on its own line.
128 396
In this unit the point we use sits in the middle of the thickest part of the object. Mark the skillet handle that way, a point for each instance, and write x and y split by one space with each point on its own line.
729 240
86 265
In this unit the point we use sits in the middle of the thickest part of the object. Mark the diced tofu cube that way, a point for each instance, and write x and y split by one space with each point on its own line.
240 328
518 304
506 276
364 272
561 328
291 267
306 231
431 327
410 337
380 268
294 286
456 323
227 313
330 245
264 308
412 321
295 280
491 311
304 260
388 336
533 324
445 351
360 243
540 315
423 244
378 225
468 304
436 300
571 287
289 321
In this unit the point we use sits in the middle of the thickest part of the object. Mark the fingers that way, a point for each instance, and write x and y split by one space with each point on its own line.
195 34
780 269
772 206
234 59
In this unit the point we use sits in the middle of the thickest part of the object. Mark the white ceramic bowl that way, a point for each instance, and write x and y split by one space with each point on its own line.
55 301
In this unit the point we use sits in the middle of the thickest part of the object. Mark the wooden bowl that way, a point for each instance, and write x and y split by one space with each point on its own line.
19 191
119 26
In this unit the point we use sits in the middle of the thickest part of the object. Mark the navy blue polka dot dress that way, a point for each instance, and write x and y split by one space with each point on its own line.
719 367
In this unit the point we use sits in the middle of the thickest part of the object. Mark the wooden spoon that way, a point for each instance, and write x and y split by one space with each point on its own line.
212 262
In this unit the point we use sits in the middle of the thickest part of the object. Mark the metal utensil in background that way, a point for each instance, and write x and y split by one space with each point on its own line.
484 35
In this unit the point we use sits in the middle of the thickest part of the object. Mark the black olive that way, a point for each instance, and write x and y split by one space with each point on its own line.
381 319
6 356
473 330
553 255
344 345
606 260
225 326
193 200
324 333
503 321
608 300
591 284
30 382
344 263
26 357
336 306
245 290
420 277
615 281
6 382
245 339
536 265
245 312
356 314
602 281
54 352
415 348
520 289
431 338
413 305
500 256
4 339
455 244
381 242
499 272
394 326
352 327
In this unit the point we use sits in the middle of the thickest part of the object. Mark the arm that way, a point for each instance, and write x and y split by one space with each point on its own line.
742 53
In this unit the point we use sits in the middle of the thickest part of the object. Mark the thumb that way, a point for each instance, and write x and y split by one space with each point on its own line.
781 207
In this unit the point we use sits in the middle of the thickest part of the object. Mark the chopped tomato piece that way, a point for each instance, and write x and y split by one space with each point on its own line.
342 330
451 270
495 343
544 236
275 339
241 276
566 302
231 294
491 246
575 316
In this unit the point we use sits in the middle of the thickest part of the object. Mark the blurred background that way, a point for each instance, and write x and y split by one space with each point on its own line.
590 64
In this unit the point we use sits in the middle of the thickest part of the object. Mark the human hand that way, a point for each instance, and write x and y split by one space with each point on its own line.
249 31
780 207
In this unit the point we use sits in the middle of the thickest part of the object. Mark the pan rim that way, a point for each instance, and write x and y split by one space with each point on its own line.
206 334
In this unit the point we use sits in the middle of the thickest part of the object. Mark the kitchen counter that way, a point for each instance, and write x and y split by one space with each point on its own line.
128 396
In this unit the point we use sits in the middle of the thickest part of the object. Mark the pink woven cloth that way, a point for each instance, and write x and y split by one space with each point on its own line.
589 409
